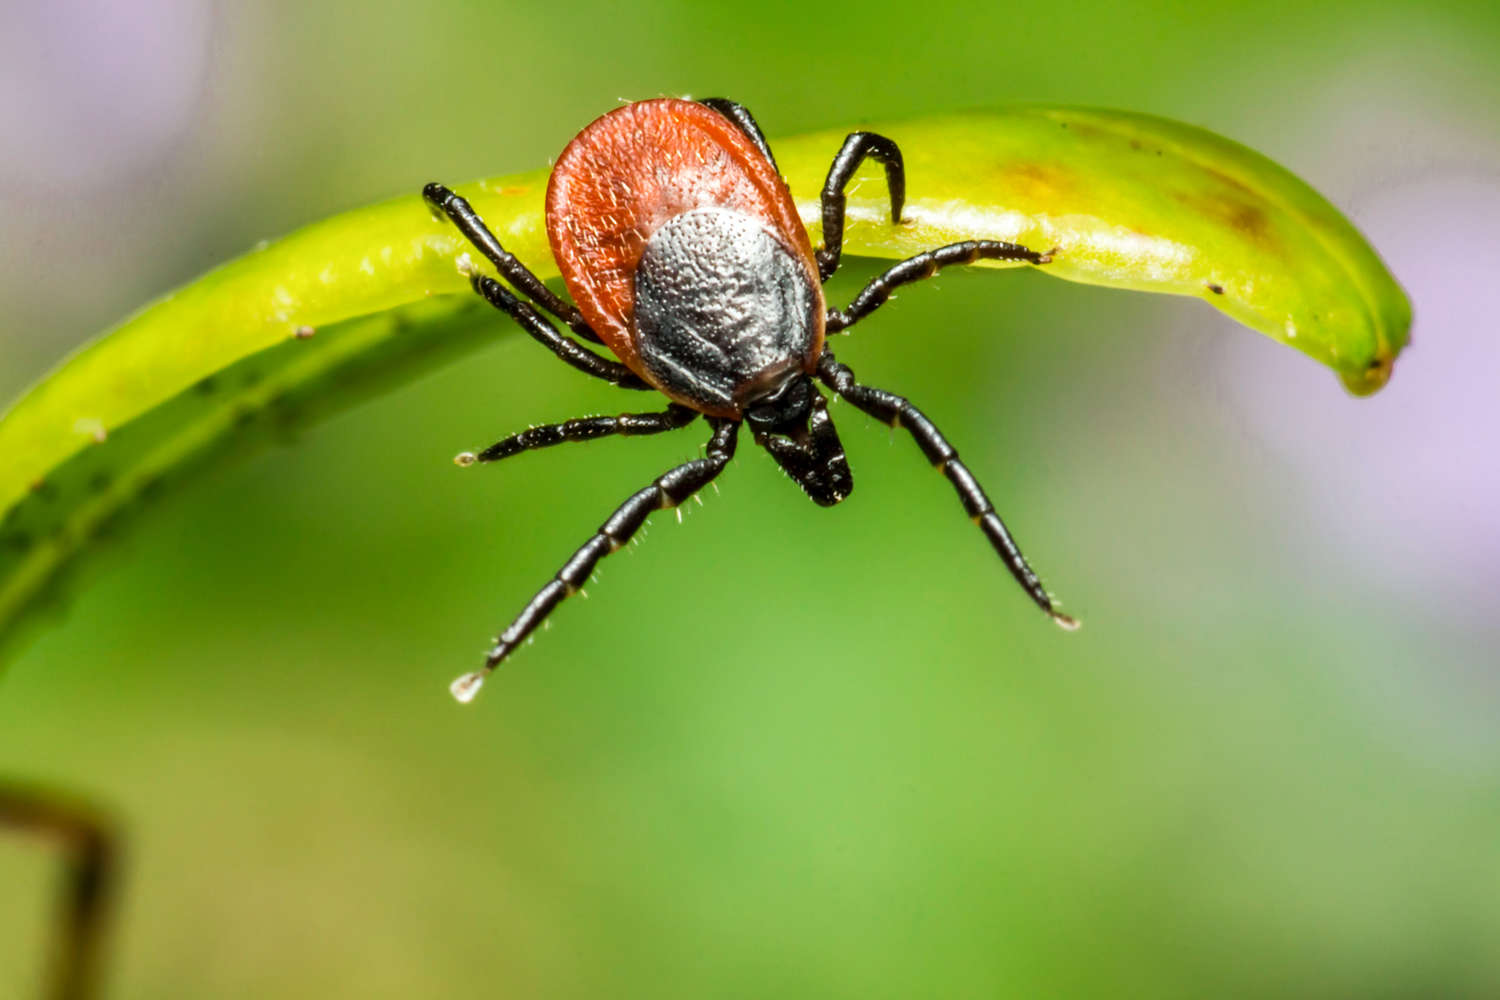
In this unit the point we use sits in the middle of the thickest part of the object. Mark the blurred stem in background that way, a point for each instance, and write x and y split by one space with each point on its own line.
90 848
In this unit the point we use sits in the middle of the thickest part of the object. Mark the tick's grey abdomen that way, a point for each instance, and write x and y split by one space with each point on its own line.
722 309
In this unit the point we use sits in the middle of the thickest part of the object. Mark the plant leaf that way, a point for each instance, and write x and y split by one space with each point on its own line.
304 326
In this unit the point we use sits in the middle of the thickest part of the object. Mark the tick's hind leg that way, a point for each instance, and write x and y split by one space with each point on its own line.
583 429
924 265
898 412
668 490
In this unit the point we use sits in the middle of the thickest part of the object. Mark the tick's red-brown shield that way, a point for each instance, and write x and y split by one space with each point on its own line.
632 171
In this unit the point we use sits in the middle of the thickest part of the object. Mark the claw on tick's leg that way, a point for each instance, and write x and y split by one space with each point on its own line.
467 686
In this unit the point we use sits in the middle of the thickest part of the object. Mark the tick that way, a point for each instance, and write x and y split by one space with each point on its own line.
681 247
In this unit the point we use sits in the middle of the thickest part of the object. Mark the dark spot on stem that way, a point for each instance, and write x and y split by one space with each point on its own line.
1040 181
1240 214
108 528
100 481
1216 289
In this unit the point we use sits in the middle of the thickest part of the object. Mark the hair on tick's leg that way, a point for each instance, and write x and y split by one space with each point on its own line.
468 222
541 330
898 412
583 429
667 490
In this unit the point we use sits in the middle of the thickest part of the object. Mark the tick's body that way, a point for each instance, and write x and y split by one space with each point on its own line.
683 251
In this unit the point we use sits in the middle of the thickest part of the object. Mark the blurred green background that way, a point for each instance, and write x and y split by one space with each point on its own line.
782 750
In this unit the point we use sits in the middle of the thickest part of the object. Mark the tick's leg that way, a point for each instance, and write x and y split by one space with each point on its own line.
856 147
90 844
742 117
583 429
898 412
668 490
545 333
508 264
924 265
